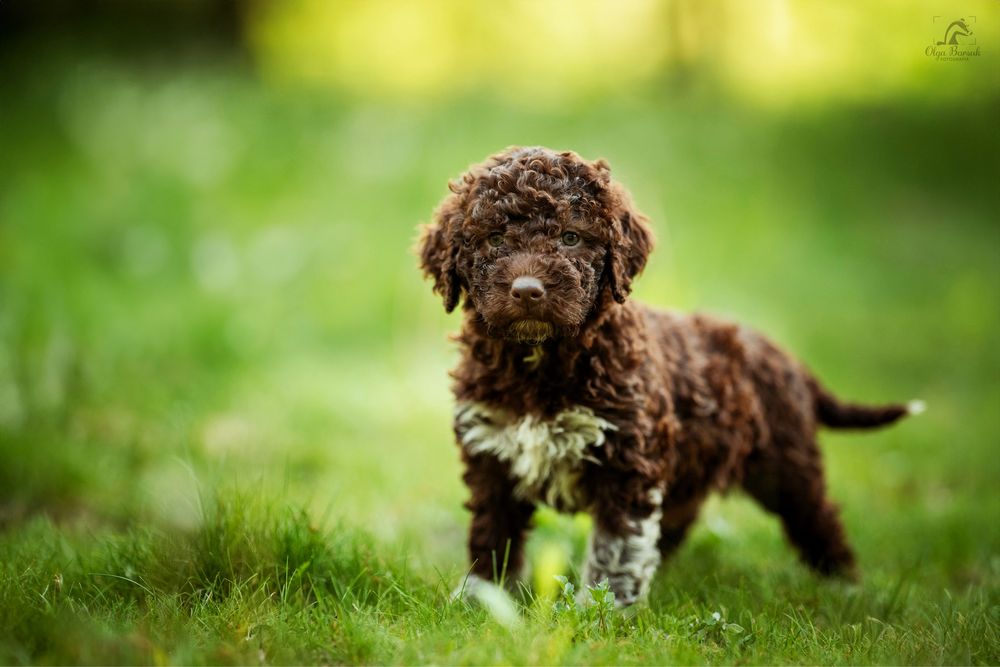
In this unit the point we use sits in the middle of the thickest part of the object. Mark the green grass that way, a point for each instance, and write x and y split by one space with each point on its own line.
224 409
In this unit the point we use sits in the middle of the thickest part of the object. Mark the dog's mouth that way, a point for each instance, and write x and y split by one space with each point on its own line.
531 332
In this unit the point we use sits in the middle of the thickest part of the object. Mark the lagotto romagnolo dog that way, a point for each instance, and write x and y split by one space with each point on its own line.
572 395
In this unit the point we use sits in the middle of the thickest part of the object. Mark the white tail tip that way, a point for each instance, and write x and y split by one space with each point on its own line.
916 407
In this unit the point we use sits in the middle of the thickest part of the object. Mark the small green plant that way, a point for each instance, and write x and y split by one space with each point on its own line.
717 629
596 612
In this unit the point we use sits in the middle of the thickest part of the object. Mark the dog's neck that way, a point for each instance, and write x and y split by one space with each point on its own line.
553 375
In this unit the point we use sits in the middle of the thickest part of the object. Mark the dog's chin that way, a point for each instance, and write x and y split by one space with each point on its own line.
530 332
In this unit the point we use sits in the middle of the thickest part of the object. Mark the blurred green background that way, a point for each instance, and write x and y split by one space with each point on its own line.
207 211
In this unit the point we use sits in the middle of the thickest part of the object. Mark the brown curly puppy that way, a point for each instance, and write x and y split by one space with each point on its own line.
571 395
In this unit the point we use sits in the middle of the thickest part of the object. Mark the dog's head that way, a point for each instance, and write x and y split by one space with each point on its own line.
534 240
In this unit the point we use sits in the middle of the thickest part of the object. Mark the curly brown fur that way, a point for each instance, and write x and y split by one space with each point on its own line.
573 395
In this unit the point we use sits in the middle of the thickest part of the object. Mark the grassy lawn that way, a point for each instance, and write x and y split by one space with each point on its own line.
224 406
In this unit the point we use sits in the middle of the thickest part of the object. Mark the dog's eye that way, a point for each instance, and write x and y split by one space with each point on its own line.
496 239
570 238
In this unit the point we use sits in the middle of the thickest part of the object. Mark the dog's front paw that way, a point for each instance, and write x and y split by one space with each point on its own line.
466 589
491 597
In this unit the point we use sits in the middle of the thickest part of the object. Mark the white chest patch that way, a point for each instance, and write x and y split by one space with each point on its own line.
545 455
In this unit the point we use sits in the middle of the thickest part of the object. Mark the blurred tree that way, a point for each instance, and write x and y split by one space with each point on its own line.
146 24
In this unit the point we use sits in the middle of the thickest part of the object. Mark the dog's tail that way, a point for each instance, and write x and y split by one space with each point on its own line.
838 414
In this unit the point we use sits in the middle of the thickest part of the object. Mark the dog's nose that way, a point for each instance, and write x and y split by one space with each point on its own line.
526 288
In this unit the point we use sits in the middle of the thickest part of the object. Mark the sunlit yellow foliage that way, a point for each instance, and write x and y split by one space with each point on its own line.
779 50
534 51
428 46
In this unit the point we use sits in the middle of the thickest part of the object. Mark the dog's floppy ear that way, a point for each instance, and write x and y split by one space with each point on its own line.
438 248
631 243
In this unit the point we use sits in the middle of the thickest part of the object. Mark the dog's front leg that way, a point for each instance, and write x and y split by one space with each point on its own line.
623 550
499 521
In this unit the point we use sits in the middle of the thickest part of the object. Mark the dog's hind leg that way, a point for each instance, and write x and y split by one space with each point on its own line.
792 486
